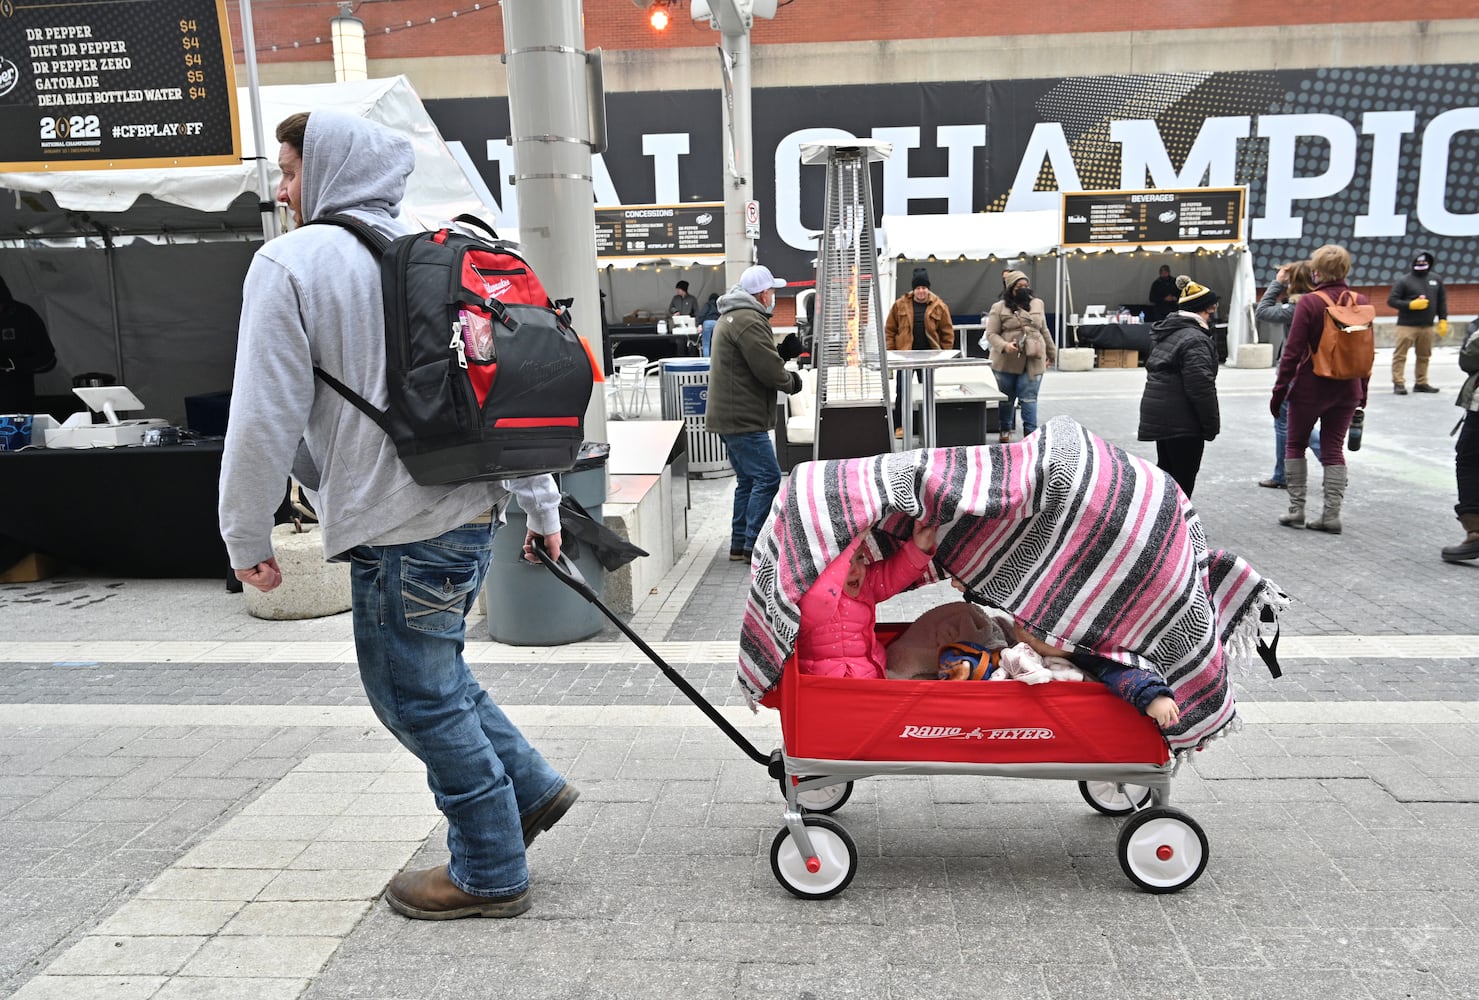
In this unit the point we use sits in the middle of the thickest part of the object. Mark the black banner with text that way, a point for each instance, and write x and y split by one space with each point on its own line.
1380 159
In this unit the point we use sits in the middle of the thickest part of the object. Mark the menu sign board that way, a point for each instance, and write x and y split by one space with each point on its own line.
693 230
116 83
1133 218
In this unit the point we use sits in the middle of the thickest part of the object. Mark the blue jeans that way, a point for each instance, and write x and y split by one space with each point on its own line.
1021 388
707 336
757 477
1281 435
409 605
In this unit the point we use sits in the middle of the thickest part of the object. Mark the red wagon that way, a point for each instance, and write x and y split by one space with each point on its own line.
835 731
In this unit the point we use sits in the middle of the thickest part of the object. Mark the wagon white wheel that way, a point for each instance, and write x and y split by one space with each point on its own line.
835 864
1106 797
825 800
1162 849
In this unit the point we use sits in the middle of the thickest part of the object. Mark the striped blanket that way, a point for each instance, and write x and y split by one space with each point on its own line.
1091 547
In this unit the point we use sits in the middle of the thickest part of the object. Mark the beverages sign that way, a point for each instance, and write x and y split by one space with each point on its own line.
116 83
1203 216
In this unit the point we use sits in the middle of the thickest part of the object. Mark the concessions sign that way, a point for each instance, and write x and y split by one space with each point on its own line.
1135 218
693 230
116 83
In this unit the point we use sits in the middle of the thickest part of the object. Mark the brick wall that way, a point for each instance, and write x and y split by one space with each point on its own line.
620 25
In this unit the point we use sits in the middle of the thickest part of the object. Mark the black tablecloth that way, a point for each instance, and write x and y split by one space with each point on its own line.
129 512
643 339
1116 336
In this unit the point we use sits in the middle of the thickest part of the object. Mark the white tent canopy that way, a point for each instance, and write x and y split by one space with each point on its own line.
165 296
965 255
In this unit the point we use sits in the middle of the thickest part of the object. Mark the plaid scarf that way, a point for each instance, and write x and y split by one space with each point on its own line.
1092 548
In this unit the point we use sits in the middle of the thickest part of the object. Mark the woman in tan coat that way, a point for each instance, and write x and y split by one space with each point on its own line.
1021 350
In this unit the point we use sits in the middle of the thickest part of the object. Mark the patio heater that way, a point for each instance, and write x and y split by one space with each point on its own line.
849 348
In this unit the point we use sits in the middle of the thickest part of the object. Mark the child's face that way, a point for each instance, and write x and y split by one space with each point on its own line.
855 571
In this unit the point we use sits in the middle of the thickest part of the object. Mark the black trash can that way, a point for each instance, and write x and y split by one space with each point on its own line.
527 604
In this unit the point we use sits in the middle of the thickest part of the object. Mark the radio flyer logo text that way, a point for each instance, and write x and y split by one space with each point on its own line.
961 733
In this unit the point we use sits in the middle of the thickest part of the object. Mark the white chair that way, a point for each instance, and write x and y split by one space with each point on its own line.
627 393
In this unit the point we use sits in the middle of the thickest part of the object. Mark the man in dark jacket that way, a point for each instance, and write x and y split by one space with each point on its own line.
1179 408
746 370
1163 295
682 304
25 352
1422 309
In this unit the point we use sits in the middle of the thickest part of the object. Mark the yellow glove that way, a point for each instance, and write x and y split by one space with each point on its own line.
1443 328
1420 303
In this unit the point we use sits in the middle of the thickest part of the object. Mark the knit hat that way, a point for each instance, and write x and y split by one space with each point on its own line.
1011 278
1194 297
682 285
921 277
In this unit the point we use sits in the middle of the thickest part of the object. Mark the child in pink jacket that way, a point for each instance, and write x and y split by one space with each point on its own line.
837 637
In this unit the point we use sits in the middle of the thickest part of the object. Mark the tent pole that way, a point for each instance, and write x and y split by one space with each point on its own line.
265 203
113 303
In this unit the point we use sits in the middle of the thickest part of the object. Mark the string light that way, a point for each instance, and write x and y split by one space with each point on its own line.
388 29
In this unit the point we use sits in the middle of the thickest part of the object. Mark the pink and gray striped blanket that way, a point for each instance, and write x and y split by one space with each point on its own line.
1091 547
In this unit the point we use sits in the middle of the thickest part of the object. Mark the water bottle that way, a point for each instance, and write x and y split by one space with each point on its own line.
1353 436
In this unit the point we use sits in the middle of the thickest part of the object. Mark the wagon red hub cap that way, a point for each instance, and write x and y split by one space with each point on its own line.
1164 852
813 865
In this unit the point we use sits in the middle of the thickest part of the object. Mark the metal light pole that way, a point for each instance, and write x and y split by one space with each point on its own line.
265 202
733 19
551 96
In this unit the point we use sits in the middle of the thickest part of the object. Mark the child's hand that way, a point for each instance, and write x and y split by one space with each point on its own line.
924 536
1164 711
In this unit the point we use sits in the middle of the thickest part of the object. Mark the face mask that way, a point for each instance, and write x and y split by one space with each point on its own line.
1023 295
1420 265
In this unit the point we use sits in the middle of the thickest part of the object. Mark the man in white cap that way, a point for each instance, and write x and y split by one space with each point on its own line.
745 372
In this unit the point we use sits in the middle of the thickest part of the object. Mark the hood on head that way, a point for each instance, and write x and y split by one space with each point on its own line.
5 296
1423 262
352 163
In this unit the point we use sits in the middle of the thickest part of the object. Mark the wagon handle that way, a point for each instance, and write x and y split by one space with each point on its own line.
571 577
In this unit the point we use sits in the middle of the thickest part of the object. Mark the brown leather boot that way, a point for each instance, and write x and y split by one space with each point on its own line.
430 895
1469 547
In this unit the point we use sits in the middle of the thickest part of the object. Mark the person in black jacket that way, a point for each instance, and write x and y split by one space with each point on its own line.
1422 309
25 352
1179 408
1163 295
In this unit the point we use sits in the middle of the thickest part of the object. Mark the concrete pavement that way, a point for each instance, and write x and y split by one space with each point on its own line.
195 803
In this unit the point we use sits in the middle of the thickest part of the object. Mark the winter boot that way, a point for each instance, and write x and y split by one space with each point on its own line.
1469 547
1336 477
1296 478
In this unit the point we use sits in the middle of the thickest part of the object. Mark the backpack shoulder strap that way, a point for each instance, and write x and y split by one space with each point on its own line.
377 243
359 402
1328 300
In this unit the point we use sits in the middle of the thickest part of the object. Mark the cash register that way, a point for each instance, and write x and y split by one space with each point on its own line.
80 432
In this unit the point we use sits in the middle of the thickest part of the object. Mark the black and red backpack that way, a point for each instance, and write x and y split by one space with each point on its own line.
487 378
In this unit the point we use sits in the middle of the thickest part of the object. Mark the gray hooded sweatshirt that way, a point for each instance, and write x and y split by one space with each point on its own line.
312 297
